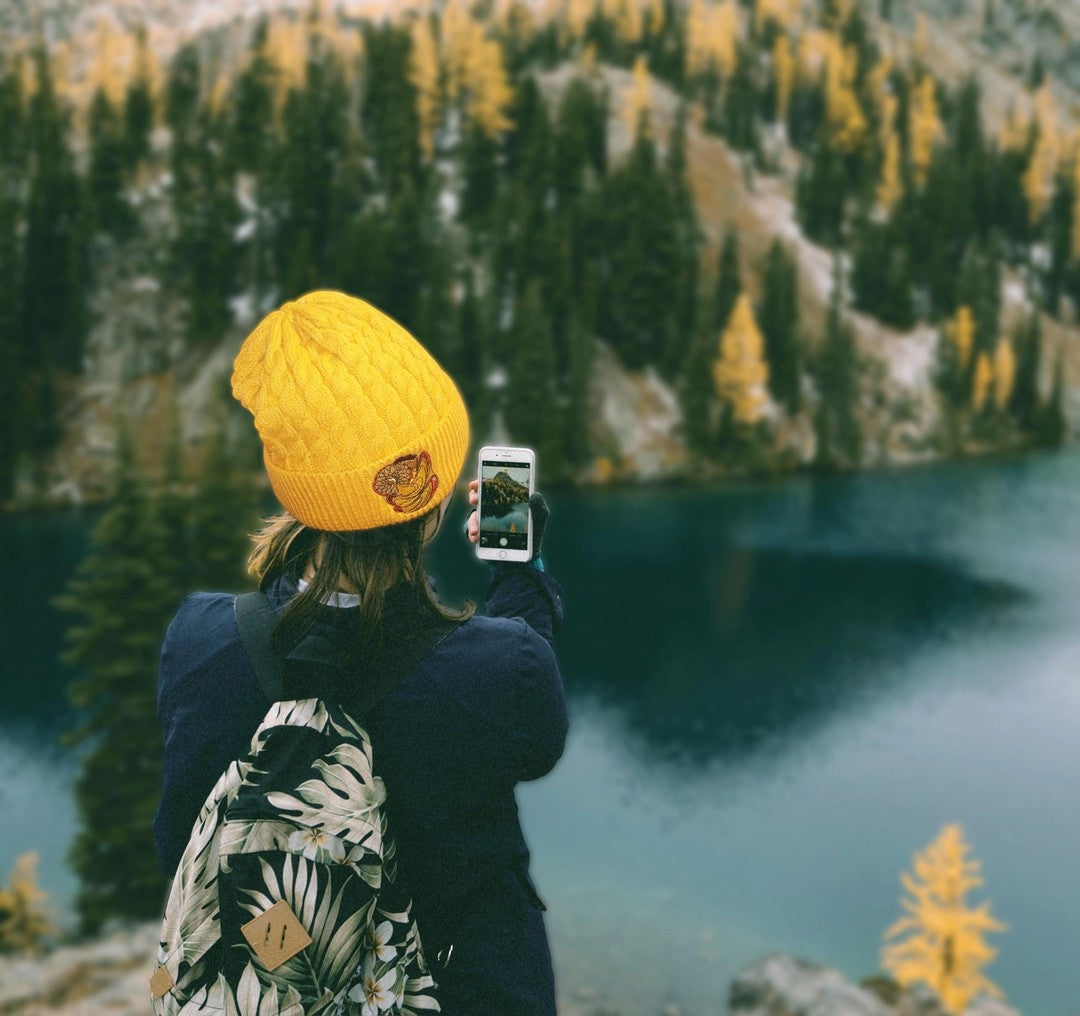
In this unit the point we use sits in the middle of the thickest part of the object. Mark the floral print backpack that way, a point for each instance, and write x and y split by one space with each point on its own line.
284 902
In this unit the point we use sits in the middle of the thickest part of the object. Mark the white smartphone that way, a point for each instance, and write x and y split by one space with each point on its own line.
507 477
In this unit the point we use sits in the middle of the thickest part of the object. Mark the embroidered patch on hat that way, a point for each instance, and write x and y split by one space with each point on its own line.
407 483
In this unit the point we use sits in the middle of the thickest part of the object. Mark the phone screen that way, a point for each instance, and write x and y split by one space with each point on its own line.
504 504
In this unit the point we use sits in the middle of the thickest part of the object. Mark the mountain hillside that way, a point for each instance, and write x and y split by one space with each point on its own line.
714 237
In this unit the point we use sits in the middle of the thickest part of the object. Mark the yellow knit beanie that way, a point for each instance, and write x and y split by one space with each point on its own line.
360 426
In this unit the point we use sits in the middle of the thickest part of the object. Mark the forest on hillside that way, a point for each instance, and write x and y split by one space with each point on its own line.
420 161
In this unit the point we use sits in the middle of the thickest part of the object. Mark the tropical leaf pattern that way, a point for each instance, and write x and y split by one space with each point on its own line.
300 818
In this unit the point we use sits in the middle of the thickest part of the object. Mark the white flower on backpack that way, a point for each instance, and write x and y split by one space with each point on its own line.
378 941
317 845
377 995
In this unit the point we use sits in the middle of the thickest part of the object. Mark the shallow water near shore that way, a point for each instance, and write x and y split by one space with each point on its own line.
778 692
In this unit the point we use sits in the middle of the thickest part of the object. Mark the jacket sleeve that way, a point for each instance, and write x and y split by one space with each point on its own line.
537 707
520 590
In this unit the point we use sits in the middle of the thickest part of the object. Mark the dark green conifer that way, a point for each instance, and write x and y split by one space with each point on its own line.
778 318
640 260
110 211
1025 402
122 599
223 512
881 273
836 422
54 318
728 281
1052 427
687 245
820 194
391 122
531 410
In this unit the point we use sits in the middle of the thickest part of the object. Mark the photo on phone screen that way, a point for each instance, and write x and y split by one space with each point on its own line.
504 505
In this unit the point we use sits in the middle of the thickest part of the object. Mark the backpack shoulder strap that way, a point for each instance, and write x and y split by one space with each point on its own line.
255 619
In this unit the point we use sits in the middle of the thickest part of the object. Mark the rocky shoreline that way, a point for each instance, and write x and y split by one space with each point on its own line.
108 977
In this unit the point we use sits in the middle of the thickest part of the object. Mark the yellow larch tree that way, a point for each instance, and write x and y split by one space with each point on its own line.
24 918
846 119
784 73
885 101
626 16
637 104
656 17
116 53
782 13
575 18
459 34
961 332
424 75
924 126
890 187
740 371
489 91
1038 179
712 35
1004 373
944 945
287 51
981 382
813 47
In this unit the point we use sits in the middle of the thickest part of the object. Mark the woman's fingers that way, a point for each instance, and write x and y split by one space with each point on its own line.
473 528
474 494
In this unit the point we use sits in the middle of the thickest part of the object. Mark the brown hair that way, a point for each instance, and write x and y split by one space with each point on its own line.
372 560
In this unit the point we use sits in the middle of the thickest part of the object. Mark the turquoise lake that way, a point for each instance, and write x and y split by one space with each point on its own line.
779 692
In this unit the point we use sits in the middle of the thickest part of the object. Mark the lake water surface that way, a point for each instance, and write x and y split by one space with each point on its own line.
778 693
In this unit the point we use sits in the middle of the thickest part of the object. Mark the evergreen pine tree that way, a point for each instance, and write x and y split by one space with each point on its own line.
1025 402
110 210
1051 427
54 247
138 122
531 407
390 117
640 261
571 146
819 194
696 394
223 512
12 168
687 244
741 105
881 273
979 287
582 343
123 601
836 423
1060 226
778 316
471 367
728 281
204 263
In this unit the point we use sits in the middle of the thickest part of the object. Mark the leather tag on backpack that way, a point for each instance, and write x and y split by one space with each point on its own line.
276 935
161 983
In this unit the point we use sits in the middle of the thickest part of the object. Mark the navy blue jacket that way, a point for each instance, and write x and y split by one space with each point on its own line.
484 710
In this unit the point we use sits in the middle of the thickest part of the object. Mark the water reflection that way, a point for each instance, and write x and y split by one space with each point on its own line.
731 646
